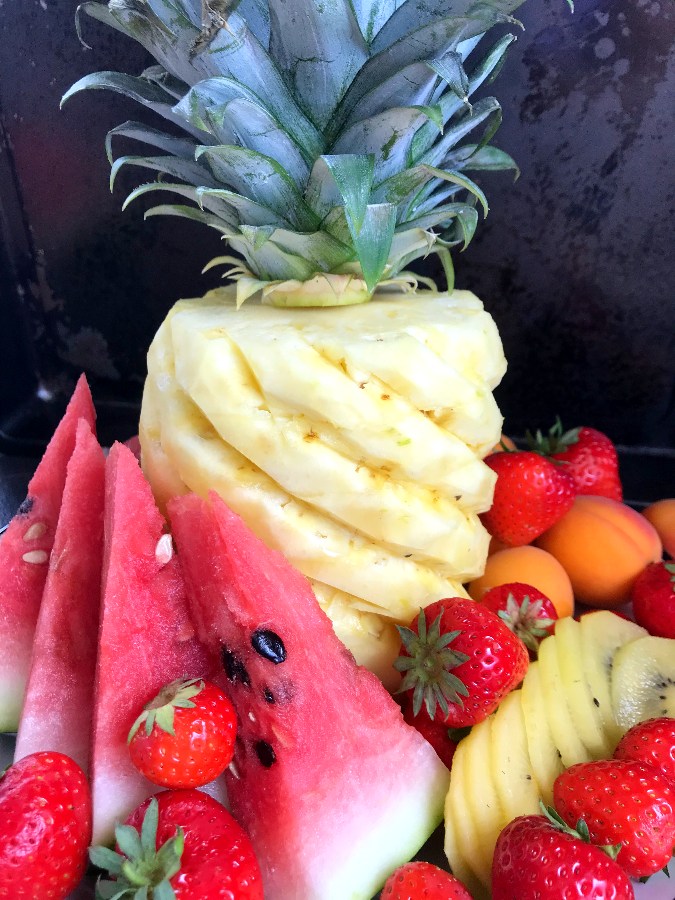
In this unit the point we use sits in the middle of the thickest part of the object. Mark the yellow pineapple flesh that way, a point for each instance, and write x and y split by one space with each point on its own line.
350 439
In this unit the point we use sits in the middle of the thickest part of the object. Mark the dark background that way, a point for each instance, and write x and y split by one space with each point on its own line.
574 260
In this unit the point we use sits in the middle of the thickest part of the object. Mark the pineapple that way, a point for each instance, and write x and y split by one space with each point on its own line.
344 411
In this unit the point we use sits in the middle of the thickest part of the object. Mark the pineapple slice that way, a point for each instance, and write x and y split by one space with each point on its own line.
585 714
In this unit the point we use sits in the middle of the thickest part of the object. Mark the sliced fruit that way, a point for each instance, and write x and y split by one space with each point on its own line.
24 557
317 732
462 837
511 767
565 737
481 799
145 640
643 681
57 712
543 752
602 633
576 688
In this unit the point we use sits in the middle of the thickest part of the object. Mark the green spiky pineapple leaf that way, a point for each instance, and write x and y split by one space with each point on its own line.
330 137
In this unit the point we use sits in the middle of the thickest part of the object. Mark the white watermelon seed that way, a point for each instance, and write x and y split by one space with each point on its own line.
164 549
36 530
251 716
233 769
35 556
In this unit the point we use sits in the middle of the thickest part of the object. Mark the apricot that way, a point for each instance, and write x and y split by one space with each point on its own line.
529 565
603 545
662 516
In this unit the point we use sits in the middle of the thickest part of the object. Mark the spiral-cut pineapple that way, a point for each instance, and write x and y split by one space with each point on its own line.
350 439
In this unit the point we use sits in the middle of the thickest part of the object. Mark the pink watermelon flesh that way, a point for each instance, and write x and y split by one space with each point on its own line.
58 705
24 556
333 787
146 638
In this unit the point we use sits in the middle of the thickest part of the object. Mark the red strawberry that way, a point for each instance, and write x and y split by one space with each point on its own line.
423 881
651 742
459 660
622 802
590 458
536 860
525 610
45 827
531 495
188 842
653 596
188 735
435 732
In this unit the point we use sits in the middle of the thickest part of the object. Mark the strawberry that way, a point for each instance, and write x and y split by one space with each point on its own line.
436 733
653 742
423 881
624 802
589 456
525 610
45 827
188 735
181 845
531 494
653 596
536 859
459 660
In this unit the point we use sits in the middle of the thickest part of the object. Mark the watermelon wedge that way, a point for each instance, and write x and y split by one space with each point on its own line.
58 705
146 638
333 787
24 556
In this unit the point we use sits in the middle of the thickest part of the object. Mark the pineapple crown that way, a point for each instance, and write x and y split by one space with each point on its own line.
329 141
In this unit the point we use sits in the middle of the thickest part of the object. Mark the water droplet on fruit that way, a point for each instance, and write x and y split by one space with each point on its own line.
265 753
269 645
234 667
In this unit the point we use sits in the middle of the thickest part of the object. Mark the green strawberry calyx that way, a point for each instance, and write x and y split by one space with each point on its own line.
524 619
670 569
160 711
556 441
427 664
141 871
580 831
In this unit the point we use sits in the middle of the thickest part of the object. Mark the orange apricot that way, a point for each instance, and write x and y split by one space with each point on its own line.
662 516
529 565
504 443
603 545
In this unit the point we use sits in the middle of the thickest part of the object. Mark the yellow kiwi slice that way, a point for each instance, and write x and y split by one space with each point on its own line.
584 710
512 773
565 736
462 841
643 681
544 755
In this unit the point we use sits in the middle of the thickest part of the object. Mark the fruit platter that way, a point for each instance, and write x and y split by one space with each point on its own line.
321 627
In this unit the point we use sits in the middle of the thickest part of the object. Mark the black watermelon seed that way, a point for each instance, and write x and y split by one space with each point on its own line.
25 507
269 644
234 667
266 754
269 696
